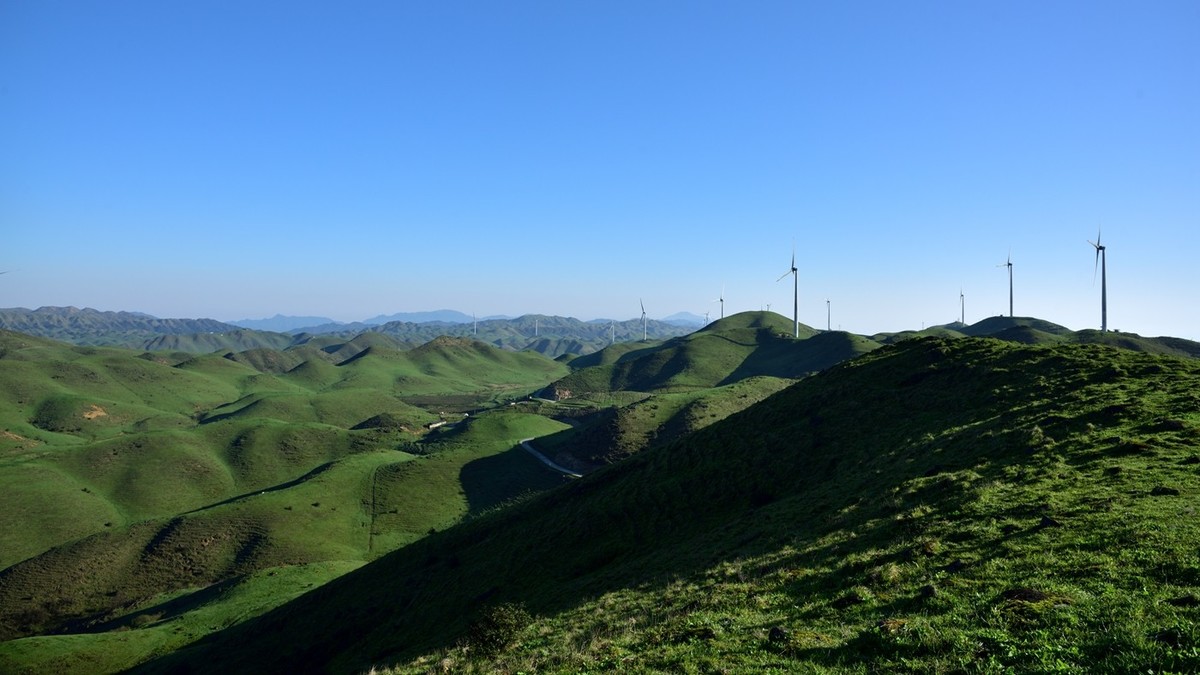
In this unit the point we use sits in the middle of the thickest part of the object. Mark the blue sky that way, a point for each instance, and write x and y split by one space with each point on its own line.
240 159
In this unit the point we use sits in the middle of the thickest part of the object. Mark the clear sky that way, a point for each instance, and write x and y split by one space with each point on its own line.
240 159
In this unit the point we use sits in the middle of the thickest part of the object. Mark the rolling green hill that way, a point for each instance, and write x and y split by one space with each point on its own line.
130 478
929 507
614 433
736 347
163 497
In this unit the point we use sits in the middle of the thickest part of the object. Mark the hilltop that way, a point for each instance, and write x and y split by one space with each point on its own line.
924 507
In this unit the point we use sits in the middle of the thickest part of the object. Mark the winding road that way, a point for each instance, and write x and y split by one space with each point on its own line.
546 460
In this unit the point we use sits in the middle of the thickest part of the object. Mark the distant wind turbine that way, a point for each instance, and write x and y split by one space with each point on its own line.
962 308
475 322
721 299
828 316
612 332
1008 264
643 318
1102 263
795 293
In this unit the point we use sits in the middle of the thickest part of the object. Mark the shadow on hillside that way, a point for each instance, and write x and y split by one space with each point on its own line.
164 611
492 481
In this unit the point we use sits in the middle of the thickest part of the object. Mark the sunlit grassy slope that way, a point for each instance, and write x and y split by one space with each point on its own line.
935 506
130 476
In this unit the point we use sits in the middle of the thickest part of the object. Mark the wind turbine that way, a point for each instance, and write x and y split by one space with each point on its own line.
721 299
612 332
1102 263
795 293
962 307
1008 263
643 318
475 322
828 316
706 318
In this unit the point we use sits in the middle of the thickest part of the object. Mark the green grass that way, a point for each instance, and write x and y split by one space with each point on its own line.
937 506
634 423
165 623
128 477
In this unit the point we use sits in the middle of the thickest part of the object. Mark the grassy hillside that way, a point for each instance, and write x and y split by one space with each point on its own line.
736 347
934 506
133 479
614 433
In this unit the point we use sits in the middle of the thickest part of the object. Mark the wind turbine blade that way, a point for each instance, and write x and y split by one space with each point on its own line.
780 278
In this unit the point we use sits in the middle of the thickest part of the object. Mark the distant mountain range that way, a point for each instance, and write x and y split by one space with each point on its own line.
93 327
282 324
552 336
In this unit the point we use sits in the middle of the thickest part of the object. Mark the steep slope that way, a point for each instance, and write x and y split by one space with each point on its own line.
933 506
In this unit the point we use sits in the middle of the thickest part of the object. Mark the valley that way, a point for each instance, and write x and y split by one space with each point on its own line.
745 499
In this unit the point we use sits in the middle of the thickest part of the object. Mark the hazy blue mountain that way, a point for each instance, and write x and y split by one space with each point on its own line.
443 315
685 319
282 324
93 327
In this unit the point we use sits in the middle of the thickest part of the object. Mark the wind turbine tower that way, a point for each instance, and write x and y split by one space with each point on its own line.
962 308
1008 263
643 318
795 293
612 332
721 299
828 316
1101 260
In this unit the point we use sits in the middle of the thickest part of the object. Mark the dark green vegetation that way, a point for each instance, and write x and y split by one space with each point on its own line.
935 505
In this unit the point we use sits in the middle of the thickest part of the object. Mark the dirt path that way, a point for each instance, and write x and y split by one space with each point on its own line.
546 460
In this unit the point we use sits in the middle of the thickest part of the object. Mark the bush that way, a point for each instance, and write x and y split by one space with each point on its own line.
497 628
